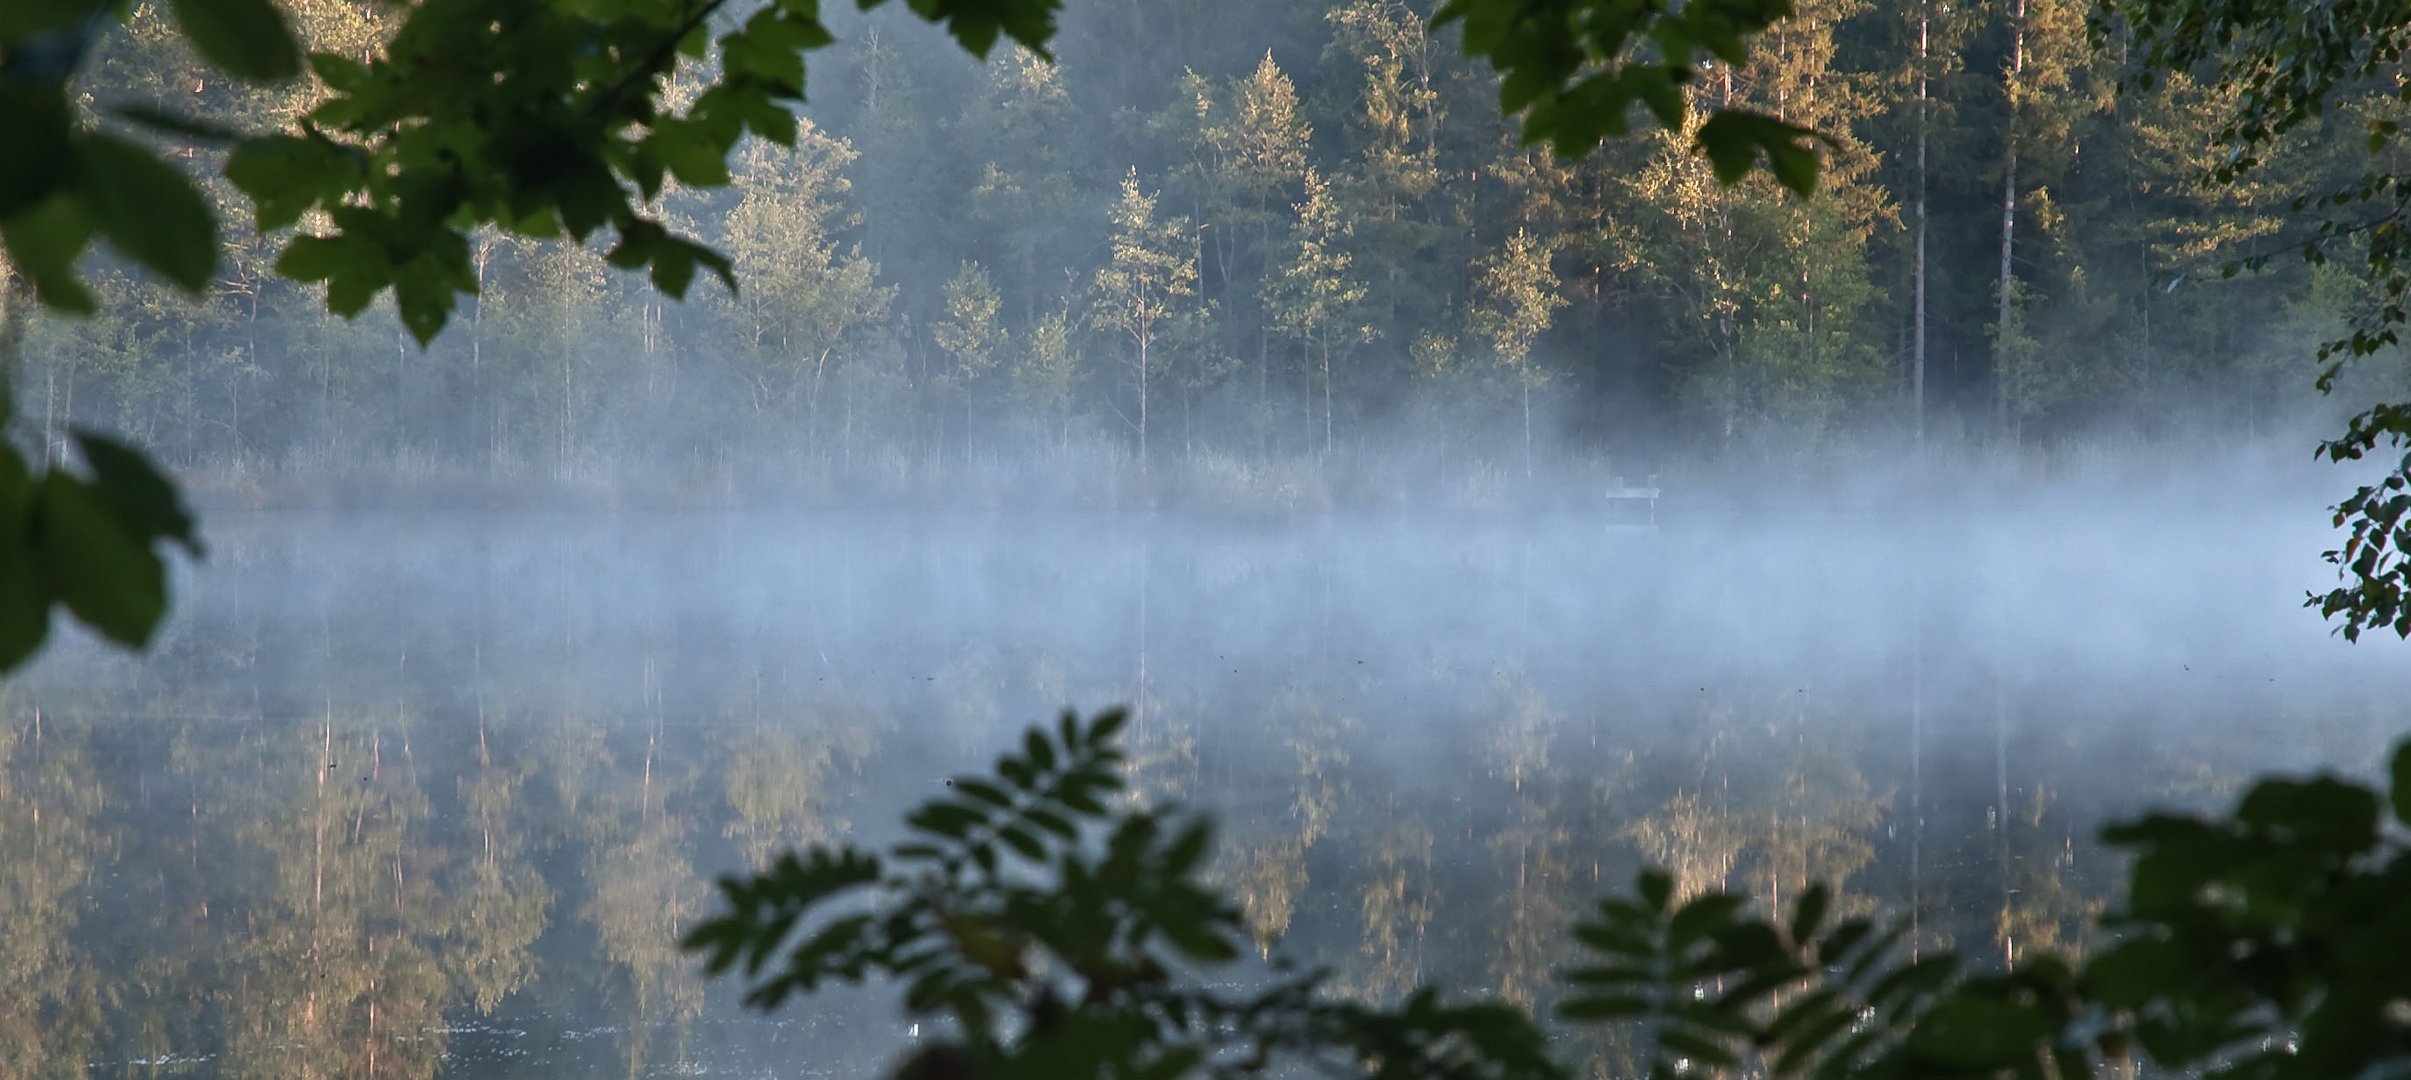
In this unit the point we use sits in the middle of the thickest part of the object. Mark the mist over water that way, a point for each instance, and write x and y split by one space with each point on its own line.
467 775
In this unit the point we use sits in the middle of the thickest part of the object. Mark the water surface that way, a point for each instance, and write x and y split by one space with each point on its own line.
437 793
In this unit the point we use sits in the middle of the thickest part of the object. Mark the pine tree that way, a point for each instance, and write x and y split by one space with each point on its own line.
1390 183
1774 291
1247 144
1019 132
2045 88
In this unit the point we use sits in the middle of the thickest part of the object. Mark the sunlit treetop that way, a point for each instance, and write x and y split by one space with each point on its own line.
550 118
1579 70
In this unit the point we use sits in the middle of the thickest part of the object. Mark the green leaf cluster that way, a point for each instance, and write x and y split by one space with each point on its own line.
2265 943
543 117
2291 66
1061 937
64 184
1708 988
1576 70
2262 944
2268 943
90 543
2375 560
546 118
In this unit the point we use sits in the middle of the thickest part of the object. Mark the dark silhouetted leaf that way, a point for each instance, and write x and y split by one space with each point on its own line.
148 210
248 38
101 568
141 496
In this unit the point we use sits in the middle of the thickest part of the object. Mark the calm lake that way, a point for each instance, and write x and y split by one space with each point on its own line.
406 794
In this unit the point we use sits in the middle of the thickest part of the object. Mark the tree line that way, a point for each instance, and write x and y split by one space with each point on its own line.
1178 243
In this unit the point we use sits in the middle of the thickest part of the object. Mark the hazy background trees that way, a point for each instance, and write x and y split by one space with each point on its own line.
1298 236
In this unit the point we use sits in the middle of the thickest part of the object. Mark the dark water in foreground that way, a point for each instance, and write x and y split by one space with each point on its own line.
408 794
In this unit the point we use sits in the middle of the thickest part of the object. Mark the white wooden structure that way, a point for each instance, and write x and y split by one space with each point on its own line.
1633 506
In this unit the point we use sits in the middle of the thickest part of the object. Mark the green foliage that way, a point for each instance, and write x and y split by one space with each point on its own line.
2287 59
1318 298
2267 943
1700 981
1577 68
1148 291
544 119
1518 296
62 183
1063 938
2376 559
1066 939
90 544
541 118
2263 943
969 332
2290 66
246 38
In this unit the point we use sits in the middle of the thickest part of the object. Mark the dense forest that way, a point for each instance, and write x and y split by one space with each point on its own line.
1286 249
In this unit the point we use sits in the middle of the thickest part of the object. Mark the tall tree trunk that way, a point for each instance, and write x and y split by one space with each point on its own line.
1326 398
2009 218
820 366
1264 408
970 445
234 381
1142 407
326 399
192 399
66 399
1263 316
1526 382
1917 334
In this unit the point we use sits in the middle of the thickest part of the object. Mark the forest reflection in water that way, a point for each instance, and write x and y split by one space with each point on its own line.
405 795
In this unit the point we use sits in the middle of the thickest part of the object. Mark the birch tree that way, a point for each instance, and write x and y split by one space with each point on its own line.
1318 300
806 292
1046 373
1144 292
971 336
1516 297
